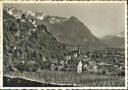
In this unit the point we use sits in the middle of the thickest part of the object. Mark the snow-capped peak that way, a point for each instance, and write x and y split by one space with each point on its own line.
30 13
14 12
41 16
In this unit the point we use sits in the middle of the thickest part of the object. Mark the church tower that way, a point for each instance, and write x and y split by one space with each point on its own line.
78 51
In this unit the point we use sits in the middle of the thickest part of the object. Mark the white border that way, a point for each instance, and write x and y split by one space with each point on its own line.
126 47
63 1
1 44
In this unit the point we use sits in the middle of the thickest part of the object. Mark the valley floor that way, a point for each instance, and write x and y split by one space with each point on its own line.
60 78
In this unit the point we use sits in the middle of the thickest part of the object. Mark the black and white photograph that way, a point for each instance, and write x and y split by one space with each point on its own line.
64 44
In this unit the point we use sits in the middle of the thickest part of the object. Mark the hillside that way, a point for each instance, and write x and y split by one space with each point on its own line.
25 43
113 41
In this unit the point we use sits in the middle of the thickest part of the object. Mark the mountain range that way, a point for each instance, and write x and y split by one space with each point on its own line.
113 41
70 31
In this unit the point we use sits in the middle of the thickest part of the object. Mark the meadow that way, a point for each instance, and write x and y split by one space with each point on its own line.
85 79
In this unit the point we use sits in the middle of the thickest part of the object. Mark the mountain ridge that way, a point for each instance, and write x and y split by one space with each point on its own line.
114 41
66 30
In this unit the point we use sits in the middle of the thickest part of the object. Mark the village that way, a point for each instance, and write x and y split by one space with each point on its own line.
104 61
91 67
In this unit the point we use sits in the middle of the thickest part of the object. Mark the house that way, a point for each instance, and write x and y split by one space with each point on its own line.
53 67
95 68
76 53
74 65
61 65
46 65
91 66
108 68
93 63
44 59
68 57
71 65
101 63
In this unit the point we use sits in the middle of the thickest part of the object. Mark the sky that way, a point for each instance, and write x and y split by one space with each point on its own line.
101 18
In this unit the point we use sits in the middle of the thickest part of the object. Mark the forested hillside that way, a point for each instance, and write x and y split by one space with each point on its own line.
26 44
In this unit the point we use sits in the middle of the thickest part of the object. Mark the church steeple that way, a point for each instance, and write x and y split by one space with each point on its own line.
78 50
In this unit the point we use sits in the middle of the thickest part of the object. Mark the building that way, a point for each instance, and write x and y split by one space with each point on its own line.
71 65
74 65
53 67
108 68
79 67
91 66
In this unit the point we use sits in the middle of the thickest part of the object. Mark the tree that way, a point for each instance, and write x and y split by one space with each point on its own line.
23 16
47 18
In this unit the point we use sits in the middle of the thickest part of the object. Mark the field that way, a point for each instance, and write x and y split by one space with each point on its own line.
70 78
